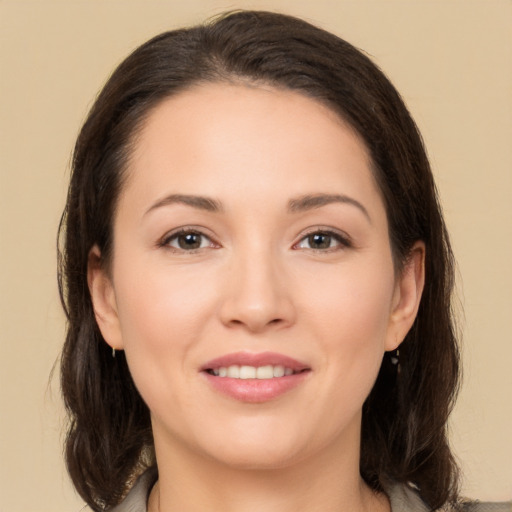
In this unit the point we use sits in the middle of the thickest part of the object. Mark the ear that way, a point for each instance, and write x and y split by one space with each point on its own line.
103 299
407 296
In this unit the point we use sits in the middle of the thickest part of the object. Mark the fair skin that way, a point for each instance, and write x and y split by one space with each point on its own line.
285 257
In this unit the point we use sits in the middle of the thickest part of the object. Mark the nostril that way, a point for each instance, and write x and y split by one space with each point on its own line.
255 311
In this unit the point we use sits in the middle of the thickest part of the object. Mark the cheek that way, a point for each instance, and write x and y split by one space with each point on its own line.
353 306
159 306
163 315
351 320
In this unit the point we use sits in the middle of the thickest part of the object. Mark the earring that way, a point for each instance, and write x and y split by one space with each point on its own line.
113 352
395 361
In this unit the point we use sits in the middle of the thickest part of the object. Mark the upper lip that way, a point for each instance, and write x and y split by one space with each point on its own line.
256 360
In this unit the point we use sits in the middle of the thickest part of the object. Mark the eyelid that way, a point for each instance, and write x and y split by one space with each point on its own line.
182 230
344 240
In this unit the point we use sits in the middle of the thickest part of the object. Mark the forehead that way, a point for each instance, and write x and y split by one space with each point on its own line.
218 138
210 107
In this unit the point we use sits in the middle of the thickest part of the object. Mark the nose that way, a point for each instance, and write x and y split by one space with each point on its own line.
258 295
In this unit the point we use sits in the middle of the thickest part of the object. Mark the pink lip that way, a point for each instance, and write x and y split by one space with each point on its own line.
251 359
255 390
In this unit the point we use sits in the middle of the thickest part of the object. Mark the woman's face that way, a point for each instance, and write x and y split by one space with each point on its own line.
251 241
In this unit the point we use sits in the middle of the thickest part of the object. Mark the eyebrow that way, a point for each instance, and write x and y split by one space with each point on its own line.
312 201
199 202
296 205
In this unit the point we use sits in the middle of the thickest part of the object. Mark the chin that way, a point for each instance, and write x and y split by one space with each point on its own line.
258 458
258 448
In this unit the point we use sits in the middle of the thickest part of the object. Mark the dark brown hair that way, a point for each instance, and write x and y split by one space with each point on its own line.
404 418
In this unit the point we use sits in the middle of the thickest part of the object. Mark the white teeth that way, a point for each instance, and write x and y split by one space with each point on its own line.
252 372
264 372
278 371
247 372
234 372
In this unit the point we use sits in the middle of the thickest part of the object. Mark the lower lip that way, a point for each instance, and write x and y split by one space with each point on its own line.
255 390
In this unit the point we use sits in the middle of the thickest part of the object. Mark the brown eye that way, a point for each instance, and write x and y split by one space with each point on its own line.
319 241
324 241
188 241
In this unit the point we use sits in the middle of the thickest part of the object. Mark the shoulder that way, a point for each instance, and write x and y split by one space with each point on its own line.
480 506
404 498
136 499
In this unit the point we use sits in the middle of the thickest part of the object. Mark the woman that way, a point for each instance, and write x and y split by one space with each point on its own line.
257 279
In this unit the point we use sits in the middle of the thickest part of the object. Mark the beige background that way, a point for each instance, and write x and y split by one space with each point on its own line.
452 61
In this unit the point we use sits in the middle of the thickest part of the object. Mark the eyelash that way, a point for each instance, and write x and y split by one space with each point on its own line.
342 240
166 241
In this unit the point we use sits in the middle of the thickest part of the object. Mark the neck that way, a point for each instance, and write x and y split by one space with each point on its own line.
191 482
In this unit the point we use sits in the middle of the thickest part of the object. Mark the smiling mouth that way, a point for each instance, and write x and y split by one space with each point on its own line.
253 372
255 378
